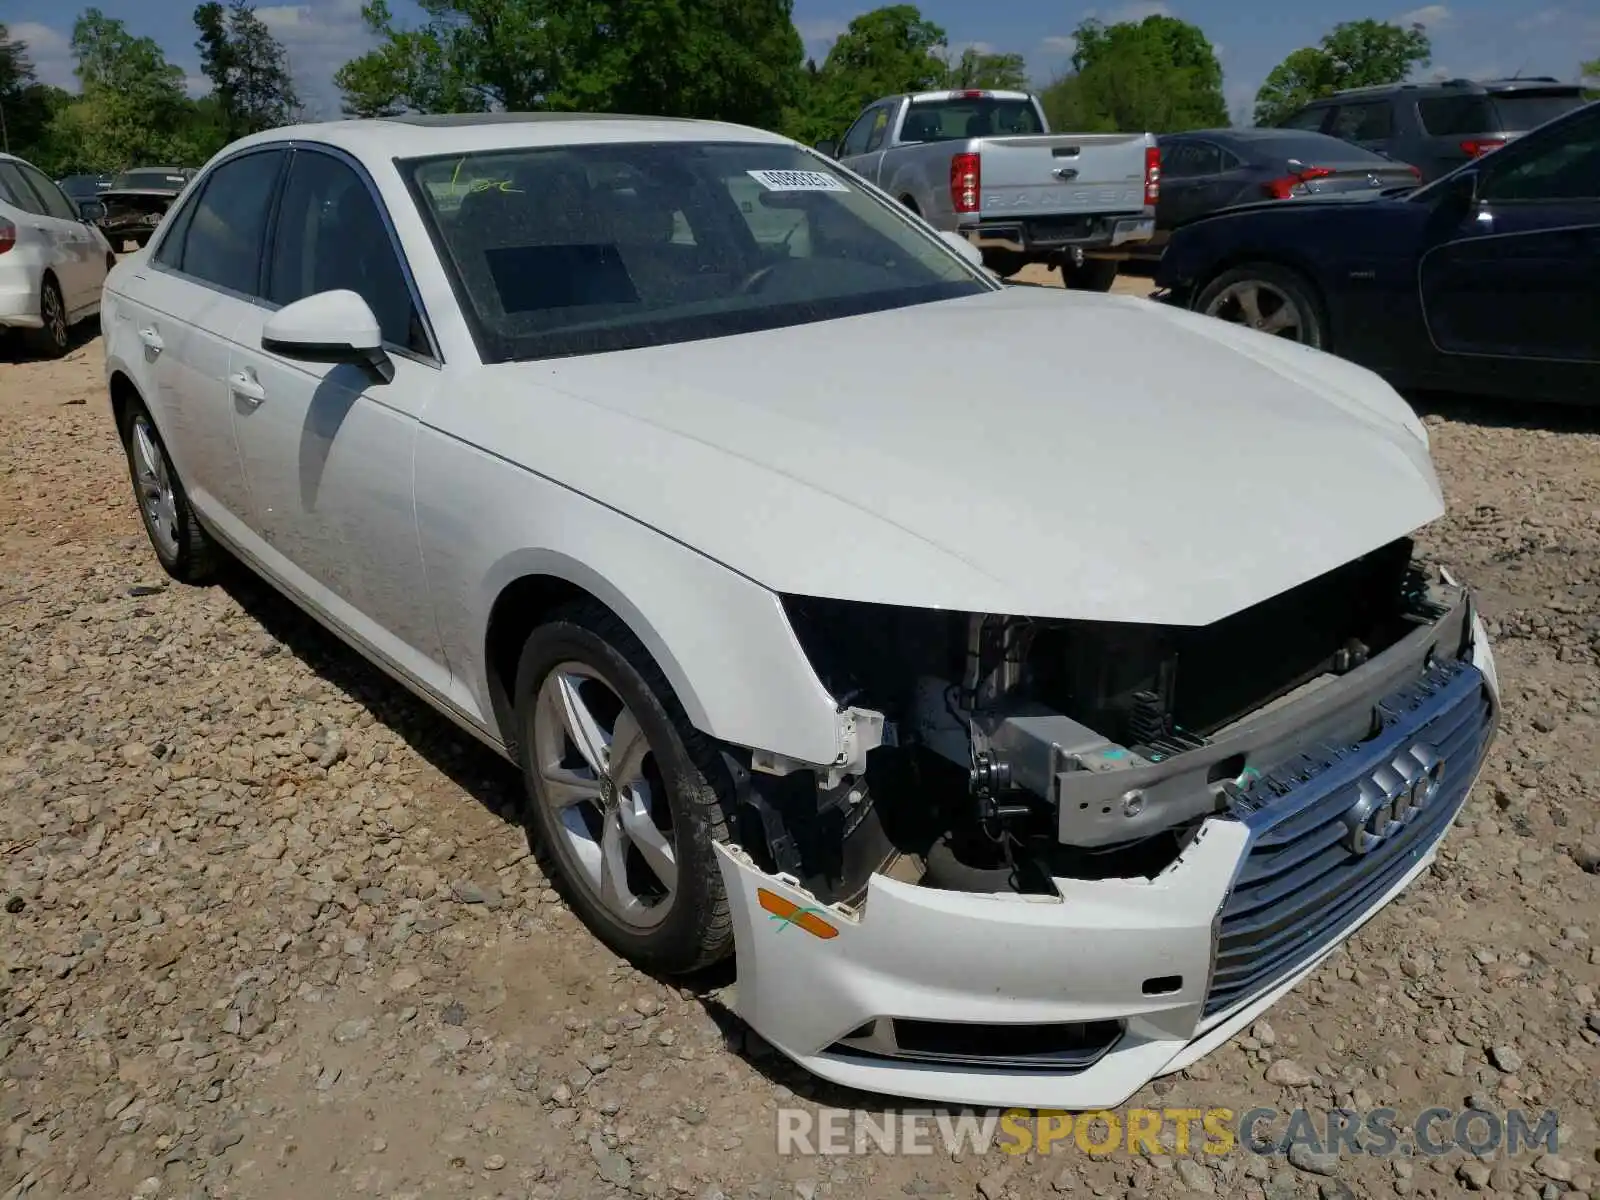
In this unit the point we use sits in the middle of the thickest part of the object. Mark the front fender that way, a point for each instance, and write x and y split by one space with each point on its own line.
722 640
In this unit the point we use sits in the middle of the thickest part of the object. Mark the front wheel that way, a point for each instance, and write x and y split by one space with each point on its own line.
1271 299
626 798
1091 275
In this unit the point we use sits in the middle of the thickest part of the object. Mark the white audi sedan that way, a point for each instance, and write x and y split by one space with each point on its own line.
1029 687
53 263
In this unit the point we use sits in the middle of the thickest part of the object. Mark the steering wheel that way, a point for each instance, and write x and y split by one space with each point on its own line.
753 281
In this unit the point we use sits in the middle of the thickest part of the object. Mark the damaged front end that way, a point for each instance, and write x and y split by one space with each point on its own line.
1082 852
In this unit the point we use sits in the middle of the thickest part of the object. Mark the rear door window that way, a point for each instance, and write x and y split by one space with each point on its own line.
55 202
1306 118
1369 121
223 242
16 190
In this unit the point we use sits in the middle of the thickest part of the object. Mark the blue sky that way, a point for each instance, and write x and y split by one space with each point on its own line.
1474 38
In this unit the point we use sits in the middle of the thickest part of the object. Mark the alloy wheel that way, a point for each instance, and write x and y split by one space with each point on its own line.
158 504
54 313
598 776
1260 305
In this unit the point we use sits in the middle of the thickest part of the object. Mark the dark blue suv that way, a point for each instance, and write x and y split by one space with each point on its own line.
1487 280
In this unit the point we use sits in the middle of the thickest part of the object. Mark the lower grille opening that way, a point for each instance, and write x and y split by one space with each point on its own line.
1062 1047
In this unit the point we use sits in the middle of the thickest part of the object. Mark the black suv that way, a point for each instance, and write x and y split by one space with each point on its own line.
1438 126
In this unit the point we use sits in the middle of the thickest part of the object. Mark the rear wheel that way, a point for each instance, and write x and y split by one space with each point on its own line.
53 338
184 549
1092 275
1269 298
1004 263
626 797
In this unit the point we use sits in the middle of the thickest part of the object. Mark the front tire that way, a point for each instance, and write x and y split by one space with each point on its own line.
54 338
1093 275
184 549
625 796
1271 299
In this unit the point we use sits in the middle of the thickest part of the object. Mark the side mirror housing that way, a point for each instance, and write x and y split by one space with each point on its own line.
963 247
828 148
329 327
1460 192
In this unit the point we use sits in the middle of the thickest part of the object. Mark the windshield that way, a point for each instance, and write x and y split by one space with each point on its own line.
581 249
952 120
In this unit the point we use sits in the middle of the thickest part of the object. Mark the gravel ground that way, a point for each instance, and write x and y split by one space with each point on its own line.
268 927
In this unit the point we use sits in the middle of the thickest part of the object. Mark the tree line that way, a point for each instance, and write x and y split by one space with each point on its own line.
735 60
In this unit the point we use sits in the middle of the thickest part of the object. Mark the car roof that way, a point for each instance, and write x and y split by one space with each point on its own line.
423 136
1452 87
1248 133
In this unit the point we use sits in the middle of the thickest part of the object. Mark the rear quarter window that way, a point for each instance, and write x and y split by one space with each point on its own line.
1456 116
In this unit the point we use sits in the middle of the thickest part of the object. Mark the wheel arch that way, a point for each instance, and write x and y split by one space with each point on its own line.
536 583
124 392
1282 257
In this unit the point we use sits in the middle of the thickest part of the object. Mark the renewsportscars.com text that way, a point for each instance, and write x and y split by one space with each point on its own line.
1379 1132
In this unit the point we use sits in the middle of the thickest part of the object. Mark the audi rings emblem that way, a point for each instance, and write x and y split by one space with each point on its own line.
1391 796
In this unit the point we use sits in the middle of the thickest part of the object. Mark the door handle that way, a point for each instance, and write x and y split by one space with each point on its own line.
152 341
247 387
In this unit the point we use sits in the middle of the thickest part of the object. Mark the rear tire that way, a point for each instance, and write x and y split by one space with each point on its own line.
54 338
1005 263
1271 299
184 549
1095 275
629 841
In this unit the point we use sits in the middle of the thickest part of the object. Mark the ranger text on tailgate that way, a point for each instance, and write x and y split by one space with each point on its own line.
984 164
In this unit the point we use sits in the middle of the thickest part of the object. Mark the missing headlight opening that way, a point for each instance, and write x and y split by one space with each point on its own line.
1016 751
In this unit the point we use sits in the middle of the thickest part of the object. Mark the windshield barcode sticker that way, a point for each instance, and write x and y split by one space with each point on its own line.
797 181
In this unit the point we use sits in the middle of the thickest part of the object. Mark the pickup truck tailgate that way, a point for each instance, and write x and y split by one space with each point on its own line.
1056 174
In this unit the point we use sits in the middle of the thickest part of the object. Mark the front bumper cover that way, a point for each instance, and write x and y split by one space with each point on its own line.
1150 959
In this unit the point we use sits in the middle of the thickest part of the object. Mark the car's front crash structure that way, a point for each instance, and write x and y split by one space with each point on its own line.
1082 854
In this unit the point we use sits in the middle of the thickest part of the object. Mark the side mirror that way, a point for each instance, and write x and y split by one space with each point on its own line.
828 148
1460 192
963 247
329 327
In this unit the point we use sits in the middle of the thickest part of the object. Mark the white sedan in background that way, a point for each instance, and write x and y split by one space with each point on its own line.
1028 686
53 263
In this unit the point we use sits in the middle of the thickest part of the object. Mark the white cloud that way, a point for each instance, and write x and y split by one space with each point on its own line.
818 34
1431 16
49 50
1138 10
1059 44
319 37
1241 101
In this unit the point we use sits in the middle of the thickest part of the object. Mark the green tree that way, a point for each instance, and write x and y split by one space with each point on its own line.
1159 74
882 52
133 107
248 69
22 115
1353 54
1590 71
737 60
978 69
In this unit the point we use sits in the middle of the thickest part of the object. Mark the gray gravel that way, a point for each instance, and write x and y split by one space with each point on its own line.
267 929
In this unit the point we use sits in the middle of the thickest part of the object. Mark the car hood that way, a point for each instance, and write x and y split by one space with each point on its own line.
1030 451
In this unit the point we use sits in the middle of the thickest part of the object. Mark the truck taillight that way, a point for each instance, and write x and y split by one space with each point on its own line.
1152 174
8 235
966 182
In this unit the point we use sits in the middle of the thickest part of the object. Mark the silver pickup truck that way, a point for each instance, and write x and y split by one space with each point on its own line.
984 164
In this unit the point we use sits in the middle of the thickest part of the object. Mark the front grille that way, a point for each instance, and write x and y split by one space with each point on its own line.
1300 887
